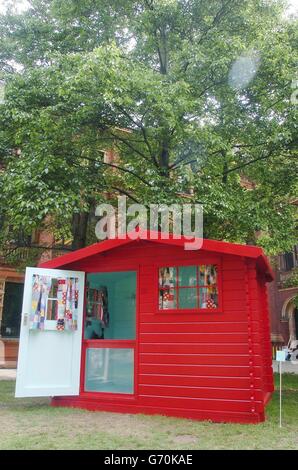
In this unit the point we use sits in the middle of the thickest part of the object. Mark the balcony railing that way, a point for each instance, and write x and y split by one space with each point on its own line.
20 256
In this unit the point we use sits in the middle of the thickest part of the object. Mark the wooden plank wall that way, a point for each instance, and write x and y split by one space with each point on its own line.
209 363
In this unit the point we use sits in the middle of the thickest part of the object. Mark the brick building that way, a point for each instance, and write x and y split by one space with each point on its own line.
282 292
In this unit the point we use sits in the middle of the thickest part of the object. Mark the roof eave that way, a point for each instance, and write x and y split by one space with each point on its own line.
215 246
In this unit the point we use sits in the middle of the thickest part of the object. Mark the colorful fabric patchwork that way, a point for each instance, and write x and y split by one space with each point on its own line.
63 294
168 297
60 324
68 295
210 303
40 291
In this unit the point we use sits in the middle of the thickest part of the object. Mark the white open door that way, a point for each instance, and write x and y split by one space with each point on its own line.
50 350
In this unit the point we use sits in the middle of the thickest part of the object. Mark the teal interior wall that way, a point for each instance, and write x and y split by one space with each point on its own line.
122 304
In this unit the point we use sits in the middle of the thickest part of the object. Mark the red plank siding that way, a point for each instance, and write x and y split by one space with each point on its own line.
199 381
204 365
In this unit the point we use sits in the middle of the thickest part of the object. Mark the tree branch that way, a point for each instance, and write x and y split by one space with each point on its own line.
219 15
139 124
125 170
243 165
176 164
125 142
122 191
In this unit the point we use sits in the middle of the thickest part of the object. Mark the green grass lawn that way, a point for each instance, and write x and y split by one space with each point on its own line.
33 424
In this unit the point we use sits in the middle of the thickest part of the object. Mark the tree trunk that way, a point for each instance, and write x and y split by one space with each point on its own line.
79 230
164 157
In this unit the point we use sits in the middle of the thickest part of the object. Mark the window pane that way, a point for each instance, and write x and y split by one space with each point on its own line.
53 288
188 298
197 287
207 274
167 277
208 297
187 276
111 305
109 370
167 299
52 310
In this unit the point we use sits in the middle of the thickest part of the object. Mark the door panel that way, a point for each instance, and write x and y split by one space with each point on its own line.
109 346
49 360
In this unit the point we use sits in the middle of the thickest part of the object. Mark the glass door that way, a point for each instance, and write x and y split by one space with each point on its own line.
110 332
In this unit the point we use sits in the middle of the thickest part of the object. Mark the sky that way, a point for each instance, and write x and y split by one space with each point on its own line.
293 8
20 5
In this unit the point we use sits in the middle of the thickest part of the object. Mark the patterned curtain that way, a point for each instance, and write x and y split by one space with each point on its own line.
68 295
40 291
65 302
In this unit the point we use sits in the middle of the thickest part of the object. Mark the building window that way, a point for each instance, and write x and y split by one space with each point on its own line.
12 309
188 287
289 261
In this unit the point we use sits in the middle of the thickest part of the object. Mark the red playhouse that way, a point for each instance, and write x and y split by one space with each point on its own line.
145 326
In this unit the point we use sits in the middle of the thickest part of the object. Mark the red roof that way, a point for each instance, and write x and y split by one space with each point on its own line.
247 251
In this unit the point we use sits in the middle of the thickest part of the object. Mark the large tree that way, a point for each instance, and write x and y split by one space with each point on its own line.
194 96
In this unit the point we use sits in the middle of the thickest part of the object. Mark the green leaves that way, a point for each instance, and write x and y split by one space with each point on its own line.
150 80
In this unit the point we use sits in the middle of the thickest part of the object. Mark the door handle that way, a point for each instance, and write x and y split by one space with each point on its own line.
25 319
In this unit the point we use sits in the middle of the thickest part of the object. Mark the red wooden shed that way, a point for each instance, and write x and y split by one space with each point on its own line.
171 331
